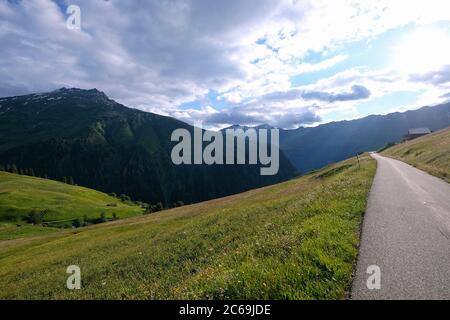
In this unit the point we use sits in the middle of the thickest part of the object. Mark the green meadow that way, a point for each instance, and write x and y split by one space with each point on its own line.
62 203
428 153
294 240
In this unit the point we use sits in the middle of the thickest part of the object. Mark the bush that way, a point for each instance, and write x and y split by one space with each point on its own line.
103 217
149 209
36 216
79 223
178 204
124 198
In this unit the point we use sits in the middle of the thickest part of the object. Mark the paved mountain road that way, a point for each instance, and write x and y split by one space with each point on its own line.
406 232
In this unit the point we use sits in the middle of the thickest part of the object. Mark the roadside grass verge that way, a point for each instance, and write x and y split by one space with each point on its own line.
294 240
430 153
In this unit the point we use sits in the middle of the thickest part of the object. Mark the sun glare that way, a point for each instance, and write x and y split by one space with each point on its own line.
422 50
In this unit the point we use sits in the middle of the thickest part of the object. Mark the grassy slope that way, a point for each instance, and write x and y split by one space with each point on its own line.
429 153
295 240
20 194
10 231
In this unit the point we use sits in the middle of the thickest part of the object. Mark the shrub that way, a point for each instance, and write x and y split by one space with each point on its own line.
149 209
79 223
178 204
124 198
36 216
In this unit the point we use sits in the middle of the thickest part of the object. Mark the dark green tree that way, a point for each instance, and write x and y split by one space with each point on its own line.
159 207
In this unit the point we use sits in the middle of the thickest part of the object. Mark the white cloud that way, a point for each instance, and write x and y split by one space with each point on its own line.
157 55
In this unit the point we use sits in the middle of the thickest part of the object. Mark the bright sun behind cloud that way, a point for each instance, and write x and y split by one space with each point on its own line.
422 50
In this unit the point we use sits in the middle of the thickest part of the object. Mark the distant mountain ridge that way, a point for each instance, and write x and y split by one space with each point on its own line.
238 126
311 148
104 145
314 147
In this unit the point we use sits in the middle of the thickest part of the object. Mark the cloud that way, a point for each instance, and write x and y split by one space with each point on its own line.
437 77
307 116
300 117
325 64
158 55
357 93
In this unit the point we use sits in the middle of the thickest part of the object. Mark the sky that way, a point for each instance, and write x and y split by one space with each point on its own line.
287 63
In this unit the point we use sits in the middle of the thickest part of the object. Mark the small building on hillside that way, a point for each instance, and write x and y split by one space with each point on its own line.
416 133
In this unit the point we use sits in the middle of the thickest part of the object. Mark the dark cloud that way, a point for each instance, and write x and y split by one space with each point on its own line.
233 116
436 77
292 94
357 93
164 52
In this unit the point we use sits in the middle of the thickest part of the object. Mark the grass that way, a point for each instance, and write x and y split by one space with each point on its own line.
429 153
20 194
295 240
10 231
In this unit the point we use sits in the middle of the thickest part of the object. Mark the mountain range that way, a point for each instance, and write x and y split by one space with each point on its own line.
312 148
98 143
84 136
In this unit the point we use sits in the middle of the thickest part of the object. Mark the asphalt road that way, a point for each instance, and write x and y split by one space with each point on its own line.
406 233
